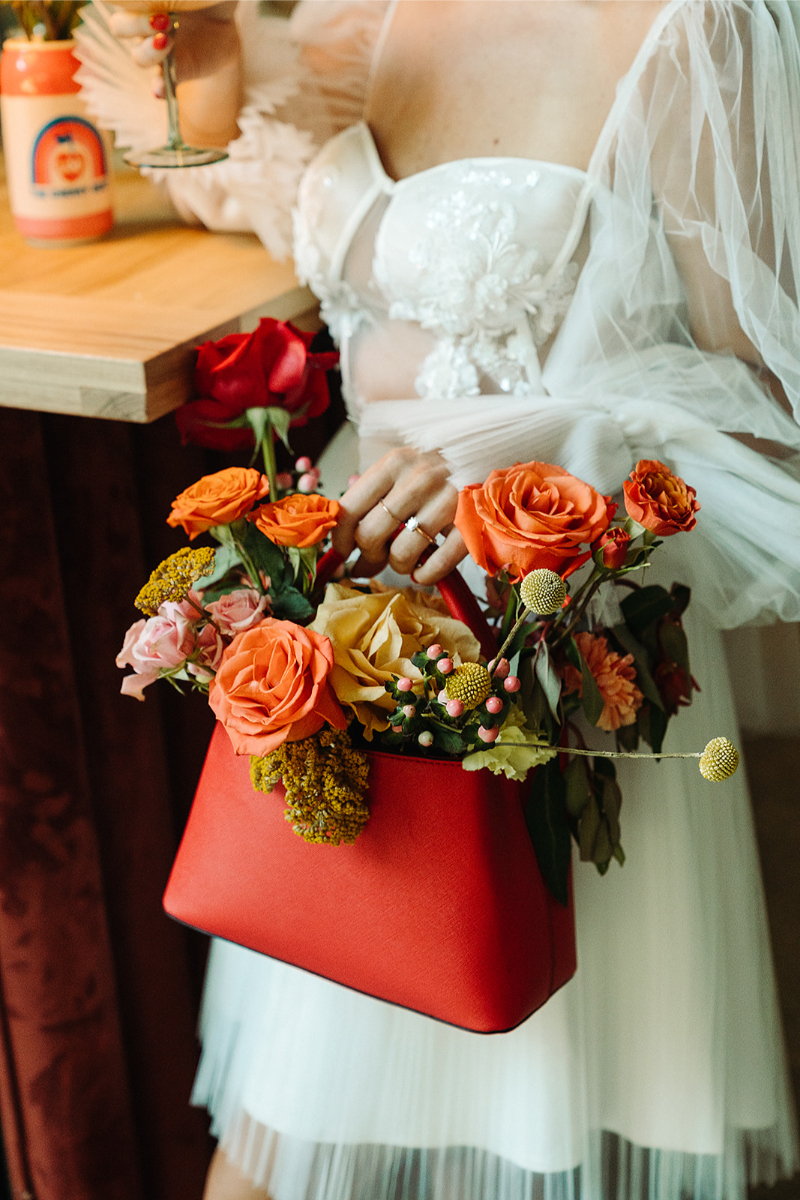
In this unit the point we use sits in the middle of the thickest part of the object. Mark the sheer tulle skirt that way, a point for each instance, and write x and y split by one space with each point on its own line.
658 1072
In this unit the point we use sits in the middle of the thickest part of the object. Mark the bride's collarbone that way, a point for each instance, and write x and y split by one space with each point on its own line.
472 78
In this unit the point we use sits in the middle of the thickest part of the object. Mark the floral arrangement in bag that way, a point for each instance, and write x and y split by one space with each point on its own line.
305 674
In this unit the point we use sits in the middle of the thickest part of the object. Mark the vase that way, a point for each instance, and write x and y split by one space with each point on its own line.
57 161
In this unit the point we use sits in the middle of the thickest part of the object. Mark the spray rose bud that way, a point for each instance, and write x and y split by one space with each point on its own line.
614 546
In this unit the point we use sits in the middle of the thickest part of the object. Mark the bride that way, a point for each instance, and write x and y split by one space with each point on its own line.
564 230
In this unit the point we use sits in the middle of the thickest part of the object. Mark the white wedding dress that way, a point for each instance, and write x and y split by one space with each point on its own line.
502 310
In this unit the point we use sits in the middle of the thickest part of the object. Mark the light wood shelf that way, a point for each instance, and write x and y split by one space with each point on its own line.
107 329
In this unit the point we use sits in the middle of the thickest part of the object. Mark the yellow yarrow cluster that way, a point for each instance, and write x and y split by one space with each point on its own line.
325 780
543 592
173 578
719 760
470 683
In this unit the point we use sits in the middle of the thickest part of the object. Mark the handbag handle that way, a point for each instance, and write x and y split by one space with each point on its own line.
460 601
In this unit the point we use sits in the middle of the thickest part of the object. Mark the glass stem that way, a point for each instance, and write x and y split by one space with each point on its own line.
174 139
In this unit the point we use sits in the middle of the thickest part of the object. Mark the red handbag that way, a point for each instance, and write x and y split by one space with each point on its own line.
438 906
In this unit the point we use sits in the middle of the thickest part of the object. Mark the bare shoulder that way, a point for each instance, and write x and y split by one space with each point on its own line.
529 78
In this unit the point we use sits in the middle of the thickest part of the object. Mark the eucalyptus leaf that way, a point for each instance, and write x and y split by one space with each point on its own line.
447 740
674 644
645 606
643 677
578 788
225 559
652 723
546 819
681 595
588 828
591 698
549 678
291 605
266 556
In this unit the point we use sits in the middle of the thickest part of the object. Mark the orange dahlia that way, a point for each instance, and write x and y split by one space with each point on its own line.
615 677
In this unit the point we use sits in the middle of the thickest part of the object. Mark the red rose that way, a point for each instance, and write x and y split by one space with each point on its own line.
659 500
270 367
614 545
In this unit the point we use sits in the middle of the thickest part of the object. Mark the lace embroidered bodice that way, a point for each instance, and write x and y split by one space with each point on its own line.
468 264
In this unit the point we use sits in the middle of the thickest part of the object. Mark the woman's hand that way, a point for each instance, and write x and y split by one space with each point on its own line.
374 512
207 63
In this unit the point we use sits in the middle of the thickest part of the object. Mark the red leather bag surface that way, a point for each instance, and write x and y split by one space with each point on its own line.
439 905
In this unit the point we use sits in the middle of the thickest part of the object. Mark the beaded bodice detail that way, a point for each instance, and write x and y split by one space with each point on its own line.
476 253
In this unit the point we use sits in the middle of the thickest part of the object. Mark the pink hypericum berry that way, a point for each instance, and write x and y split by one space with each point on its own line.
511 684
454 708
409 711
434 651
404 684
284 480
307 483
425 738
445 665
397 729
499 669
488 735
442 697
303 464
494 704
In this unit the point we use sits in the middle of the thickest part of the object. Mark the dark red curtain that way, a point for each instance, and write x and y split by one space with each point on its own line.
99 990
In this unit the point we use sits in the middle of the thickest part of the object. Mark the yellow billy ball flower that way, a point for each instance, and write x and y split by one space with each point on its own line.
719 760
543 592
470 683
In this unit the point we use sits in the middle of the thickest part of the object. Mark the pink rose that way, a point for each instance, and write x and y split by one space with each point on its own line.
153 646
211 647
239 610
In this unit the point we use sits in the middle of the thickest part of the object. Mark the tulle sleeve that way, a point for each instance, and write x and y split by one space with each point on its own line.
684 325
304 80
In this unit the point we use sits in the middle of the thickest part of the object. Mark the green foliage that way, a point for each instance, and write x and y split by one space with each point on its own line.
546 819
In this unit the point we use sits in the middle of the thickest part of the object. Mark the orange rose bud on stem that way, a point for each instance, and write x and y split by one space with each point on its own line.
272 687
614 548
218 499
297 520
659 500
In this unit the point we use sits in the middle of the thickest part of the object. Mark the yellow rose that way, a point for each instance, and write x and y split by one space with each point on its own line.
375 635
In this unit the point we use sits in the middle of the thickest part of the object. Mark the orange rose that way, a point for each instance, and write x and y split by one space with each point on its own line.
659 500
296 520
529 516
218 499
272 687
